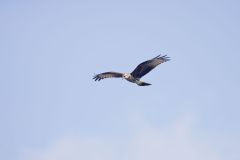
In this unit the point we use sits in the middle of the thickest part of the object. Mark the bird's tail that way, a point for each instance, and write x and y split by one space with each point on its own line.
143 83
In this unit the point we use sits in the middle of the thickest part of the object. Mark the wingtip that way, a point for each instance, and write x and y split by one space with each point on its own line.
95 77
167 58
164 57
157 56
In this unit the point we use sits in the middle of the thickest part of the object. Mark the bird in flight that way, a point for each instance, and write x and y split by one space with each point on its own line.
141 70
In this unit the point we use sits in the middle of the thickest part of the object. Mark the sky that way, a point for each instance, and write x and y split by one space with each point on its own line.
51 109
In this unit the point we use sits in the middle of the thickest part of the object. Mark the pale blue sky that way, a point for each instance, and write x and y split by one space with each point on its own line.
49 51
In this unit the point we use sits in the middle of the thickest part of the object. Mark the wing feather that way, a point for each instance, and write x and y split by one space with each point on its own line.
101 76
145 67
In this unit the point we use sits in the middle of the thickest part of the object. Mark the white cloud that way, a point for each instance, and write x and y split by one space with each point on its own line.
178 141
73 148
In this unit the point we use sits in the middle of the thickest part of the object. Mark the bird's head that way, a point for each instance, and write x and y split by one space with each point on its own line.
126 75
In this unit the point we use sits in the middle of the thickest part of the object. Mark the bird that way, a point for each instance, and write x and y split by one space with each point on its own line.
141 70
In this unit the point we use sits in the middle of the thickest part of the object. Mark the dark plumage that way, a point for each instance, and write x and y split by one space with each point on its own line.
141 70
145 67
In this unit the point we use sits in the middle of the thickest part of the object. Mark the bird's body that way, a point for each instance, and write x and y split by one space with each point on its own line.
134 77
130 78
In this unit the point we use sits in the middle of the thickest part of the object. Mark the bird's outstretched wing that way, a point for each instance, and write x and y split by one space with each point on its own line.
145 67
101 76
